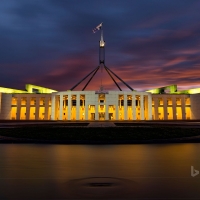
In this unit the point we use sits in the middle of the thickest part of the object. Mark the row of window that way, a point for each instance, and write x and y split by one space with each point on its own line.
23 101
82 102
169 101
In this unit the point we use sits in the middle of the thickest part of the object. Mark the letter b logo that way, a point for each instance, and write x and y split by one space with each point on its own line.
194 172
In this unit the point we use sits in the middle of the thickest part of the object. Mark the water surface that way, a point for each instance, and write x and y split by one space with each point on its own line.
156 171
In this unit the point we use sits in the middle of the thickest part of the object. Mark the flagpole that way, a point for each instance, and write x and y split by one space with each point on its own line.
102 64
101 52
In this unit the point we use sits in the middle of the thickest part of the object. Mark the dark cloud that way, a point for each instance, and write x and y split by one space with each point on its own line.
148 43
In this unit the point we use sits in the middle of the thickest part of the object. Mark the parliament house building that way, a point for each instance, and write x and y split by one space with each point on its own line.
40 103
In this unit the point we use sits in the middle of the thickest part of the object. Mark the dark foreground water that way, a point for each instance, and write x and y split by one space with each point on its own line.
32 171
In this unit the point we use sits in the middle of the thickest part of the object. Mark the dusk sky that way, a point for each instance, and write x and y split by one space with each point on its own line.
149 43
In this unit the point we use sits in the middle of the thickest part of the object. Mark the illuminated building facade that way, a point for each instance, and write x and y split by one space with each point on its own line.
39 103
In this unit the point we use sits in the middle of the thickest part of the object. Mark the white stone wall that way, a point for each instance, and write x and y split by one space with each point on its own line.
5 106
195 106
0 104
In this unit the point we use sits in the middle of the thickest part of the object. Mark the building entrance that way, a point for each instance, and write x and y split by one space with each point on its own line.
110 116
101 116
92 116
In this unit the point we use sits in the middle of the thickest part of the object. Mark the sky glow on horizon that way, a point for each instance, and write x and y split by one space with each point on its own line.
50 43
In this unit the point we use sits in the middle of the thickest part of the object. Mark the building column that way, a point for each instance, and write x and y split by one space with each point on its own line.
183 108
27 108
96 111
149 107
86 111
125 106
61 107
106 113
86 107
141 107
134 106
146 107
96 107
37 108
78 107
174 108
64 108
106 107
46 108
156 108
69 107
18 107
165 108
53 101
57 107
116 107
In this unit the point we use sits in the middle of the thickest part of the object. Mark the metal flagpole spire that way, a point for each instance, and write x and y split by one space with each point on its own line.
102 64
101 52
101 47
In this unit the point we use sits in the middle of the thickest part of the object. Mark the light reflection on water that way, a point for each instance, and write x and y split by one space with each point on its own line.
99 171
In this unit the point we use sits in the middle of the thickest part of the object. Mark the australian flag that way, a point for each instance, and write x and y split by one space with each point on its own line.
97 28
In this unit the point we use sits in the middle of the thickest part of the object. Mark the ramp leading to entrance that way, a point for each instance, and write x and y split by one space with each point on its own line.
101 124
